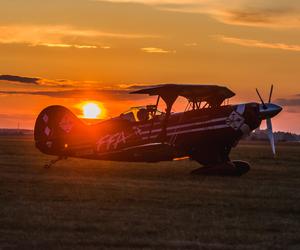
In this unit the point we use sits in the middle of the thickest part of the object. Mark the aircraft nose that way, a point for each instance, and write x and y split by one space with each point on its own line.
269 110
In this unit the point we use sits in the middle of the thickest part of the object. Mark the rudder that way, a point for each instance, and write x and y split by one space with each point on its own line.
55 127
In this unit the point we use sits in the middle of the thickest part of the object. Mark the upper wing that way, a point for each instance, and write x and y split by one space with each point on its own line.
213 94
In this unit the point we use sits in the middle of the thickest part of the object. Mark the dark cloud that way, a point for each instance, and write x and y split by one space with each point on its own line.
61 83
22 79
63 88
137 87
295 102
257 15
100 94
249 16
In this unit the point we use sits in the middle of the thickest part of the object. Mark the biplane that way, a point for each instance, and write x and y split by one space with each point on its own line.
205 131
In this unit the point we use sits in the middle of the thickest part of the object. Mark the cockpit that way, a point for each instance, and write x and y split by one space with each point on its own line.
141 113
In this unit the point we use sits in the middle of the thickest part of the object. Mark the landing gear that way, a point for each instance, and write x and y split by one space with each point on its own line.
242 167
230 168
216 162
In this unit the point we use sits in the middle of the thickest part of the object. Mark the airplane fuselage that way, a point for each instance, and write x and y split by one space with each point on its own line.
206 135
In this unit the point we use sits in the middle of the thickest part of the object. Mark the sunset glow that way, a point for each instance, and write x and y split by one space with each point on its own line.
52 57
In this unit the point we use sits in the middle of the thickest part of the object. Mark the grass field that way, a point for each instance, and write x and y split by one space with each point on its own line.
103 205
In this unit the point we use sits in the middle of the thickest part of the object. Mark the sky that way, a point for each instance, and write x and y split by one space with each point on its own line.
71 51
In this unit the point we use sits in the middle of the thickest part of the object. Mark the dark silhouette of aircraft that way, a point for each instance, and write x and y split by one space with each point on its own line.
205 131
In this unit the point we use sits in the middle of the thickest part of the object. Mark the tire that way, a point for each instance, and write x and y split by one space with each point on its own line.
242 167
235 168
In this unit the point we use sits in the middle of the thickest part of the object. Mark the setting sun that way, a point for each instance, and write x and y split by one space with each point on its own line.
91 110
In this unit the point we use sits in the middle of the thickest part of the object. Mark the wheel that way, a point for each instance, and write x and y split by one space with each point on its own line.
242 167
235 168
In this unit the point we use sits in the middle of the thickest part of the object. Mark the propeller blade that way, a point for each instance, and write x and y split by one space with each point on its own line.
271 135
262 101
271 92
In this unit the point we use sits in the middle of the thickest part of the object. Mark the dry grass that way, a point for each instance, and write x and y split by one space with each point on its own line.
104 205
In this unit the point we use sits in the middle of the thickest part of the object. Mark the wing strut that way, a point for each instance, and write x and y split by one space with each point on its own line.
152 123
169 99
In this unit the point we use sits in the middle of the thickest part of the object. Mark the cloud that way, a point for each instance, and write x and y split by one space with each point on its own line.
87 90
63 45
257 13
62 83
21 79
105 47
293 102
157 50
60 36
99 94
258 44
68 88
140 86
260 17
194 44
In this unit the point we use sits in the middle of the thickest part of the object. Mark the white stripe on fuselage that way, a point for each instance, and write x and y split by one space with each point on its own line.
189 131
184 125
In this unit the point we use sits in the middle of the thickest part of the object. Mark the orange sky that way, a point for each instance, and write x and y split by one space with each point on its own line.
69 51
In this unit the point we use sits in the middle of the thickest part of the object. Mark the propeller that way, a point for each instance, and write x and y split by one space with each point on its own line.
268 120
271 135
271 92
262 101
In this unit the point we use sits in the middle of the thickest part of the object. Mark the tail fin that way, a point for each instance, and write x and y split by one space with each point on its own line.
55 128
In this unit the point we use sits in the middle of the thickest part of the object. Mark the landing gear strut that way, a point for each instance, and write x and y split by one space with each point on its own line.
52 162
